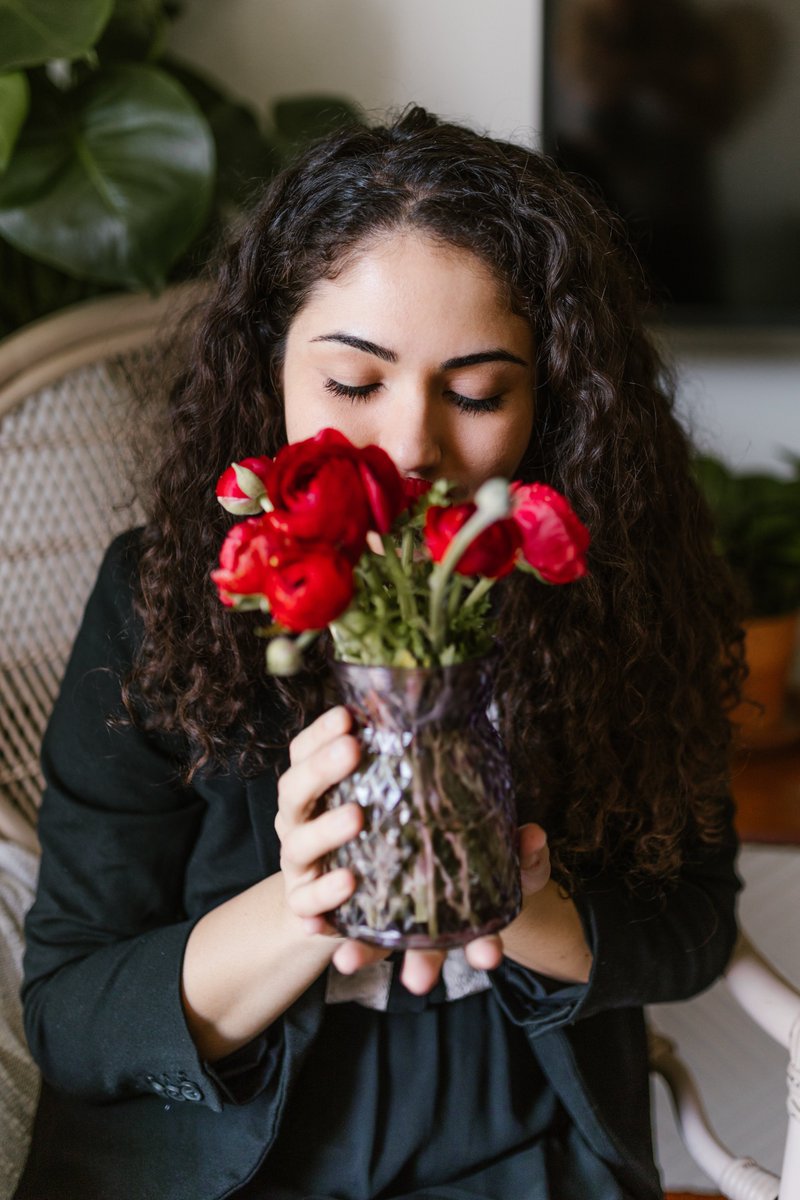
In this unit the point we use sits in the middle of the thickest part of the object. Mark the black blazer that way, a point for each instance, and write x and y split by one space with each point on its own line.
132 858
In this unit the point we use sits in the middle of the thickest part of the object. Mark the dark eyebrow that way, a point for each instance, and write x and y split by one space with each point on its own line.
348 339
471 360
466 360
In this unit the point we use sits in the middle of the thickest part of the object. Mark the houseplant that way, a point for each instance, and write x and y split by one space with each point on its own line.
119 166
399 574
757 517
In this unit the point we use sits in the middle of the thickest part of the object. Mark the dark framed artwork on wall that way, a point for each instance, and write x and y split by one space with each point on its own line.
684 115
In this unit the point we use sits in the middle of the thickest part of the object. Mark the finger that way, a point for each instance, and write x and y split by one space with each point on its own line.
421 970
320 895
307 843
351 956
531 840
301 786
484 953
330 725
320 925
535 875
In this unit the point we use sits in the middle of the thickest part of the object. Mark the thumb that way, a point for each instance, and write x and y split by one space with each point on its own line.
534 859
531 842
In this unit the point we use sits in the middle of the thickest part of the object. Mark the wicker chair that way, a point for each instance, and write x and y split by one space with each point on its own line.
67 428
67 431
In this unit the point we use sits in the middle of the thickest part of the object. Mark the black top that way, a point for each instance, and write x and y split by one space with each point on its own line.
448 1100
132 858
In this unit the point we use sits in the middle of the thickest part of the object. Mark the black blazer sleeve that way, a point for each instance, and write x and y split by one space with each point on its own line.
106 934
649 945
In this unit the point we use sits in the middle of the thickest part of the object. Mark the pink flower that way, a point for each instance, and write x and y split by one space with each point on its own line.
554 539
244 560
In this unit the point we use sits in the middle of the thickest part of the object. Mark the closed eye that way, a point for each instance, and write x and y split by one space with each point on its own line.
464 403
350 391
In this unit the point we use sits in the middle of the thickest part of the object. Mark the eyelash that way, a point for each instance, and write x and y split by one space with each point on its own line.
464 403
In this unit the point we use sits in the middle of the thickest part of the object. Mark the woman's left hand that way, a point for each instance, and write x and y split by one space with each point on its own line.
421 968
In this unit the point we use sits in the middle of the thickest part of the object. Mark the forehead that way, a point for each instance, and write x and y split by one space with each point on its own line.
409 286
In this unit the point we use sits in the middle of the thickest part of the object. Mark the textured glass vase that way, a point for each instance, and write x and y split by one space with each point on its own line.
436 860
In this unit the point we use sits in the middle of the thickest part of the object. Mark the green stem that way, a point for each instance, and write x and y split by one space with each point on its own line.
479 521
407 554
455 594
374 583
479 591
399 578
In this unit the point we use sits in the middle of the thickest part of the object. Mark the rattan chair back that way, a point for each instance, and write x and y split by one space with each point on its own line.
69 420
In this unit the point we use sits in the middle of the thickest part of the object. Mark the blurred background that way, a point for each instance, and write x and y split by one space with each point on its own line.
131 134
484 63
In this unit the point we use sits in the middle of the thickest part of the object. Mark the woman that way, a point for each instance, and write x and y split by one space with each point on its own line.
461 303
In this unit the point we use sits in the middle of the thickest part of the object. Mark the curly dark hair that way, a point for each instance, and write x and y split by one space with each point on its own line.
613 692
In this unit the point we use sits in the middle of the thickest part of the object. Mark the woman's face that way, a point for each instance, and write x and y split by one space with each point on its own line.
413 348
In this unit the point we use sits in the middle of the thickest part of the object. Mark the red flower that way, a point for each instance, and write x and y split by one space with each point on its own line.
492 553
231 496
244 560
326 489
386 489
310 587
414 488
554 539
306 584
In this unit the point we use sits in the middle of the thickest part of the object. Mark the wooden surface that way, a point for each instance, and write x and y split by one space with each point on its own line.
693 1196
766 789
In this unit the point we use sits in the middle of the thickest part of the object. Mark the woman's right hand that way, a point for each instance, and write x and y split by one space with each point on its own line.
321 755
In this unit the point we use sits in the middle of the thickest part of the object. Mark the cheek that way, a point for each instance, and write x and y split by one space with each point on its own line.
505 449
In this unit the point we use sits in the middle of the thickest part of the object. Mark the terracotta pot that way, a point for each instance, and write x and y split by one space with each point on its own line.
770 647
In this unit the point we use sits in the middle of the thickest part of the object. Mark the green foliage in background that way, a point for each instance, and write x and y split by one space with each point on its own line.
119 165
757 518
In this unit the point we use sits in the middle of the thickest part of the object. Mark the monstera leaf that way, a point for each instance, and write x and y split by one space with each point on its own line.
14 100
34 31
111 180
300 119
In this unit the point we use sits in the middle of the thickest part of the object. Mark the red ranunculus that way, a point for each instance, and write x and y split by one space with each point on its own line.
554 539
414 488
327 489
244 560
231 496
385 488
310 587
492 553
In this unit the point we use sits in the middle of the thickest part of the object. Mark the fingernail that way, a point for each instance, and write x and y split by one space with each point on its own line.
348 819
341 752
335 718
341 883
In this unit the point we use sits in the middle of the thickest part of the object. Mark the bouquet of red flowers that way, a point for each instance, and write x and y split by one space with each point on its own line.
399 571
413 594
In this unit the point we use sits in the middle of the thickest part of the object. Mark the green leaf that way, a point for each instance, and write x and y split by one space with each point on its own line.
34 31
245 155
137 32
113 181
14 103
305 118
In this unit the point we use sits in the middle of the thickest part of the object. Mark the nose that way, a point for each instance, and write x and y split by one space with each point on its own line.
414 436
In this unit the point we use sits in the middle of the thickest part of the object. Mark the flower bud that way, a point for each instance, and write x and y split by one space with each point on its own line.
283 657
242 487
248 481
493 499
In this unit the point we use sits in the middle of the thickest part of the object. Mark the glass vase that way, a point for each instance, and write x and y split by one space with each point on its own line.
436 861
